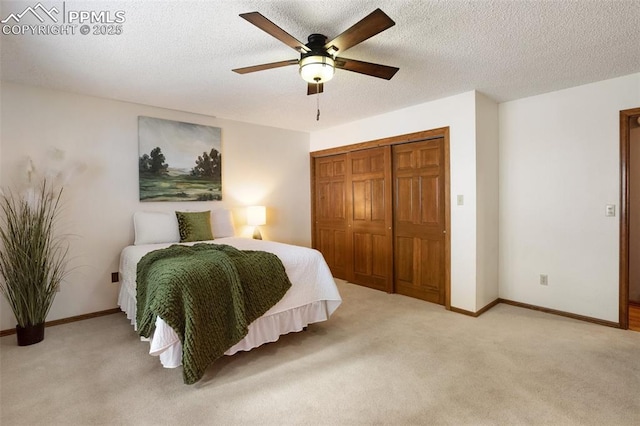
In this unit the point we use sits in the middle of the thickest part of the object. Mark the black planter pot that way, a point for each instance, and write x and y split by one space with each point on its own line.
30 334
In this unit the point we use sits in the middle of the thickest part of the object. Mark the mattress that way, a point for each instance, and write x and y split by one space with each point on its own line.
312 298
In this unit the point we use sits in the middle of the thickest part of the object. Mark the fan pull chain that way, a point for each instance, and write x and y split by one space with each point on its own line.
318 99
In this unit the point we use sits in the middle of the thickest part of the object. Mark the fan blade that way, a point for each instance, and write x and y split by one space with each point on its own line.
313 88
272 29
372 24
374 70
255 68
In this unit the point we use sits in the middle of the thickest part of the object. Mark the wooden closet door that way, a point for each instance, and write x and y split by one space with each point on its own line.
369 209
331 212
419 220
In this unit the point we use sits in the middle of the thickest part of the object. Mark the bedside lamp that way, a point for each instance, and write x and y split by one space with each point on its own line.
256 216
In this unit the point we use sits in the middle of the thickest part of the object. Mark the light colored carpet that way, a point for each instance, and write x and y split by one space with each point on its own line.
381 359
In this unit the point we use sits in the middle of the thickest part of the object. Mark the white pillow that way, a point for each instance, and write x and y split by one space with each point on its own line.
222 223
155 228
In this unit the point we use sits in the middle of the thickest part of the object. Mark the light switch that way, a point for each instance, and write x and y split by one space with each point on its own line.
610 210
461 200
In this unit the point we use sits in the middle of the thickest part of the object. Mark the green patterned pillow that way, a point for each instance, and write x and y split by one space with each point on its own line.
194 226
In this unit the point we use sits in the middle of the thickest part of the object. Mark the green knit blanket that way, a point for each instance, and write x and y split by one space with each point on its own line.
208 294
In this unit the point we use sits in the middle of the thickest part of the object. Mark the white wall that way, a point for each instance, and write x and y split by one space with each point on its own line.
487 200
457 112
559 167
261 165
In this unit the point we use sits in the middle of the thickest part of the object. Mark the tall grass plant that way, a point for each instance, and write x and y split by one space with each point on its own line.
33 258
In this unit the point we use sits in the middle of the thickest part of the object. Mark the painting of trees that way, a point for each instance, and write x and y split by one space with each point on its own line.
208 165
170 166
153 163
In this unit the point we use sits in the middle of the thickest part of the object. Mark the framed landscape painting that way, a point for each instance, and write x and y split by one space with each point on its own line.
179 161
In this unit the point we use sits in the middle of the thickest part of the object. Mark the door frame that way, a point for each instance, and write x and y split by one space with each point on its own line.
442 132
625 158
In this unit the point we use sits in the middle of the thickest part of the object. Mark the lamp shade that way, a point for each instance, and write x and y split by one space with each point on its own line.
256 215
317 68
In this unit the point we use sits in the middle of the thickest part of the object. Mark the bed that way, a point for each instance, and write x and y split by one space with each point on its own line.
312 298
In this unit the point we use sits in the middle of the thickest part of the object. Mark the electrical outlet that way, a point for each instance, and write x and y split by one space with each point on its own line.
115 277
544 279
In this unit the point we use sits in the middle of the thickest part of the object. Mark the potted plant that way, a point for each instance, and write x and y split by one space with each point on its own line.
33 258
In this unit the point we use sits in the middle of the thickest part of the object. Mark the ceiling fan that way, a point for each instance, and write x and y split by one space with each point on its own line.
318 58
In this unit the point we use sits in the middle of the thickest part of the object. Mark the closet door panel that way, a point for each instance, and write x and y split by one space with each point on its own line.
369 211
362 264
419 220
431 262
430 208
360 200
332 244
403 264
330 212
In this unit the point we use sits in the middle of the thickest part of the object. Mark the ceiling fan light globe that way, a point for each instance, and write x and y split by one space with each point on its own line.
317 68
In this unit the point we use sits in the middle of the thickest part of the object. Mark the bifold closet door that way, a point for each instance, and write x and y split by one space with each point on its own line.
419 220
331 212
369 210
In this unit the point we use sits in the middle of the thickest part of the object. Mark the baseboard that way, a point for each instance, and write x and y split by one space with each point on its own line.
535 308
68 320
561 313
475 314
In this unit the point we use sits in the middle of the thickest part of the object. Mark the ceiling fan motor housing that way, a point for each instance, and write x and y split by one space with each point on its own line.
316 42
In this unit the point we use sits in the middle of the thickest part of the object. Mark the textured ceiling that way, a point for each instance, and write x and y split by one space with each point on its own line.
179 54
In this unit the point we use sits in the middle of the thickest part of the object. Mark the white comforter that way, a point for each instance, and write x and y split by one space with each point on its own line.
313 296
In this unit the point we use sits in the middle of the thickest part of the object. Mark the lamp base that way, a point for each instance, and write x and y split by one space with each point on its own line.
256 234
